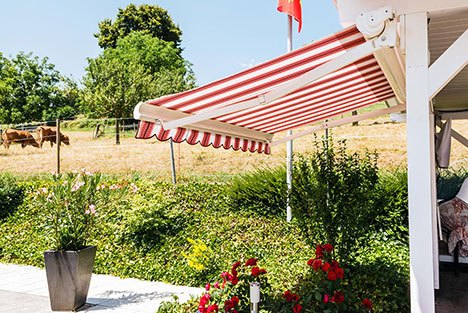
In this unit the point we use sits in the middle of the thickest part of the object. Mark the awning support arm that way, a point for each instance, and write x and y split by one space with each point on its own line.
347 120
456 135
448 65
386 39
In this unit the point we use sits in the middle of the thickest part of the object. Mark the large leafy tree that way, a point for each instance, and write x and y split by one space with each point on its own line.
150 19
140 67
31 89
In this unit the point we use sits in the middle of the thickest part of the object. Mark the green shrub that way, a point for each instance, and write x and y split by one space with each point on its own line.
332 196
381 269
391 206
263 191
11 195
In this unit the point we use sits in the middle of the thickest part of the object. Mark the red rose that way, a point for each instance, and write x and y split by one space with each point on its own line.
317 264
339 272
326 298
234 280
326 266
212 308
262 271
287 295
334 264
204 299
235 300
255 271
338 297
367 303
236 265
331 276
207 287
294 297
297 308
228 305
201 309
251 262
319 252
234 272
328 247
310 262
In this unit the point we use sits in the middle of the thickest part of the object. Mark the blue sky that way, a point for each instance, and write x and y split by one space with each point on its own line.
220 37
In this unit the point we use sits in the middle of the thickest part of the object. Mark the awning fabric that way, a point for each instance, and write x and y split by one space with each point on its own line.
355 86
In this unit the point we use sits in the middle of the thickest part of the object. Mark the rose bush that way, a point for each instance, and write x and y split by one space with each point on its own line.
71 202
327 291
231 293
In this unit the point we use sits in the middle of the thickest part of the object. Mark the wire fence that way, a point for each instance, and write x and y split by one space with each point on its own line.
93 145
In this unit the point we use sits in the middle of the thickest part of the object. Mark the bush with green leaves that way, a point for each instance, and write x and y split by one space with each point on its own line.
263 191
11 195
147 237
332 195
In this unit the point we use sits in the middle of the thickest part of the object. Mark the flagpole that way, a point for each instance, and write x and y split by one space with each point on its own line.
289 144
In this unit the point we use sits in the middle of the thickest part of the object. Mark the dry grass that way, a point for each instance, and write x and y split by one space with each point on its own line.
152 157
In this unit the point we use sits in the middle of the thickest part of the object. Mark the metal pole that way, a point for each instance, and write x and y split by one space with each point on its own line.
57 141
289 144
174 179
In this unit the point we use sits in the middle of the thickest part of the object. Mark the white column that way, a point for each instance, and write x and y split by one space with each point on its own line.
421 175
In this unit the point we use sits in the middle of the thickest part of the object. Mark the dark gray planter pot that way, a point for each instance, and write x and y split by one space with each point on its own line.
68 277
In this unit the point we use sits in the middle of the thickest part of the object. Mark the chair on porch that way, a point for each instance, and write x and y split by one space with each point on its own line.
454 224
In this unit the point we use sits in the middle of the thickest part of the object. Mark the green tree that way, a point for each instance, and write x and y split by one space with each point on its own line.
139 68
31 89
150 19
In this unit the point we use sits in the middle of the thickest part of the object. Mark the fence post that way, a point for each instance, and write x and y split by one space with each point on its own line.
117 132
353 113
57 139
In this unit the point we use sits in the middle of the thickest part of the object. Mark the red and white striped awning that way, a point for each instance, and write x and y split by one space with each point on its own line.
354 86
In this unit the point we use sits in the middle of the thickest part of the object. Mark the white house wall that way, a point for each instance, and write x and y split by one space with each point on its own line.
348 10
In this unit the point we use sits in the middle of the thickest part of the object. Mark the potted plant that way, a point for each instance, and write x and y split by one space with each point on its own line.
72 202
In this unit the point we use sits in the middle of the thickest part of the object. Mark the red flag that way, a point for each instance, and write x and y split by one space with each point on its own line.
293 8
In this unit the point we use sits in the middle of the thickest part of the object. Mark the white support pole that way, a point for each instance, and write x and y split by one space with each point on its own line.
289 144
421 165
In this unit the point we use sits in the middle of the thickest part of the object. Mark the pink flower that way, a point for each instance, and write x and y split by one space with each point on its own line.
326 298
207 287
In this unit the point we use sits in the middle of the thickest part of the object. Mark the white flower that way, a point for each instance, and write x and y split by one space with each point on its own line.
77 186
134 187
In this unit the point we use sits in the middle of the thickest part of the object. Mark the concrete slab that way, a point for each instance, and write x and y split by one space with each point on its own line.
23 289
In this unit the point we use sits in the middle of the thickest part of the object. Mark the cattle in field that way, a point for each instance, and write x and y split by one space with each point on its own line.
47 133
22 137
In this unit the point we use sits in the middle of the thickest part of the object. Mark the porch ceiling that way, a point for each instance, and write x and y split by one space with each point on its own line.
444 28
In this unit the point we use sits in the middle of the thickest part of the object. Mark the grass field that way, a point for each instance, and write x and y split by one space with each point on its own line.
150 157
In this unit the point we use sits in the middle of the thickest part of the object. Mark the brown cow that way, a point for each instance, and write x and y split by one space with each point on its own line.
46 133
22 137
